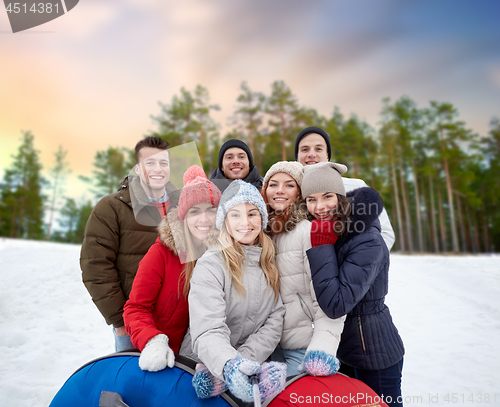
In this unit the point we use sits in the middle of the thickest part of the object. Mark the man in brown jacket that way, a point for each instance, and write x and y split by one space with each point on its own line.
120 231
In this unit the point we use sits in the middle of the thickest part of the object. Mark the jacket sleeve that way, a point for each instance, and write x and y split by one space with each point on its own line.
138 311
339 287
97 261
262 343
207 316
327 331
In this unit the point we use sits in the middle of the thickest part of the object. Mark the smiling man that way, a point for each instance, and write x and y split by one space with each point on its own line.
312 146
122 228
235 162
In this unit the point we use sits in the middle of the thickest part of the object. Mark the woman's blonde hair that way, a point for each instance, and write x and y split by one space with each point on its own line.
234 258
193 253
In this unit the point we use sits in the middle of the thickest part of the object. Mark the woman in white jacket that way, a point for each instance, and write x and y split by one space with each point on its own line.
310 339
235 311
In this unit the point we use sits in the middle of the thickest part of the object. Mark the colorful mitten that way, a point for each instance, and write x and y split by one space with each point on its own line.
319 363
157 355
237 374
272 379
206 384
323 232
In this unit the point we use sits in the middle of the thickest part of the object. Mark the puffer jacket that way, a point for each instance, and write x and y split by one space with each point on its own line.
253 177
222 322
305 324
157 304
114 243
351 277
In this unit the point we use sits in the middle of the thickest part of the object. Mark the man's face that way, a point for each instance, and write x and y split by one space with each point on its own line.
235 164
153 170
312 150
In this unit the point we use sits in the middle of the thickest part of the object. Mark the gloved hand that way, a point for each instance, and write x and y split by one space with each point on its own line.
157 355
206 384
323 232
319 363
272 379
237 372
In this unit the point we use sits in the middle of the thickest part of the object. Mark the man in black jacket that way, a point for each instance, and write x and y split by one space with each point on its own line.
235 162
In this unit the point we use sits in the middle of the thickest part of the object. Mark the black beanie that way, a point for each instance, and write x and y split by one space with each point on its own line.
317 130
238 144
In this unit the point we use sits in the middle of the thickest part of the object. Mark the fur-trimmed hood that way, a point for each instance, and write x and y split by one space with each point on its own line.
298 213
366 207
171 232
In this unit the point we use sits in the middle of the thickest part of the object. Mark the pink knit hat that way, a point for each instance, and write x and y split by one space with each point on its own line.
197 188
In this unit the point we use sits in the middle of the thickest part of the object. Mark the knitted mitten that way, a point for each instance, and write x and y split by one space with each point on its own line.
157 355
237 374
272 379
319 363
323 232
206 384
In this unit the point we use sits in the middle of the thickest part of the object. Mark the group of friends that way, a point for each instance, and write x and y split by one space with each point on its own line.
256 278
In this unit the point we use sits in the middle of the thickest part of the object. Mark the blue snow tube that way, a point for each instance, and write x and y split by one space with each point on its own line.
119 375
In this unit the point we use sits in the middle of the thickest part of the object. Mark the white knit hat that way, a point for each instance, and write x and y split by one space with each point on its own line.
323 177
292 168
236 193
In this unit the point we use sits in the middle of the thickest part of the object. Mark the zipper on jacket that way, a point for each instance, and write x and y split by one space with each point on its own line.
361 332
306 309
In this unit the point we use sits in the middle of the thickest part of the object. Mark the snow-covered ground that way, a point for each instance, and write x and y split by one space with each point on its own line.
447 309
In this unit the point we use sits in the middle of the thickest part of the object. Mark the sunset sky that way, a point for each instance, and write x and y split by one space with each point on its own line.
92 78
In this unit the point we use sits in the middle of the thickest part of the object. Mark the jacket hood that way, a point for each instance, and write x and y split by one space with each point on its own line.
366 206
171 232
298 213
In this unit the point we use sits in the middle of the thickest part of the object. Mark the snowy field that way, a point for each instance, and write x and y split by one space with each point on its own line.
447 310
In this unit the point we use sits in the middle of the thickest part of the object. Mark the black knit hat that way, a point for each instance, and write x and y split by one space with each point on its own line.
238 144
317 130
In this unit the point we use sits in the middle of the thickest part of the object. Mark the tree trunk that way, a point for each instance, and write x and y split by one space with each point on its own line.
462 225
435 239
417 208
283 137
406 207
401 239
444 243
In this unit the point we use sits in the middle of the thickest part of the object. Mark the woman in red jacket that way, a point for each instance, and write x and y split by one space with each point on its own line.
156 314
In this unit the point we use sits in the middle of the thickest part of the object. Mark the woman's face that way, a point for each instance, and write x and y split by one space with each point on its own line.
322 205
243 222
281 191
200 219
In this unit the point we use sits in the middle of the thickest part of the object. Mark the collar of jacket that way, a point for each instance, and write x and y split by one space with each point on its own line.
253 177
298 213
366 206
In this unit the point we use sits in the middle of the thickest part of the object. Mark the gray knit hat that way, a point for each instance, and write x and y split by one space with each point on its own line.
236 193
292 168
323 177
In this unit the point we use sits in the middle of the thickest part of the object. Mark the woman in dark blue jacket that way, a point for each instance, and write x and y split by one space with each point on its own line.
349 267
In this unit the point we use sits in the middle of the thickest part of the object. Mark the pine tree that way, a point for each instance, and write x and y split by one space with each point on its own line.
21 199
58 174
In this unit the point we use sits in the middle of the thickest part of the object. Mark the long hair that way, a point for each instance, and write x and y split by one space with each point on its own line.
279 221
342 213
193 253
234 259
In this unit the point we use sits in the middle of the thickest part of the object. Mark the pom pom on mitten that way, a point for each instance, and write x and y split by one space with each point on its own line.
323 232
206 384
237 372
157 355
272 379
319 363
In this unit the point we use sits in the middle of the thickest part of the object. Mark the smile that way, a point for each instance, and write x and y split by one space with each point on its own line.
203 228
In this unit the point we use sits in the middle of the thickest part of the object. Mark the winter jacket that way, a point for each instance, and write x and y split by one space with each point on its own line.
305 324
387 232
351 277
219 179
114 243
223 322
157 304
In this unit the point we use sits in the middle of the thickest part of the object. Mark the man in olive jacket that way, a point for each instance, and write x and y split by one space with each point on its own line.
120 231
